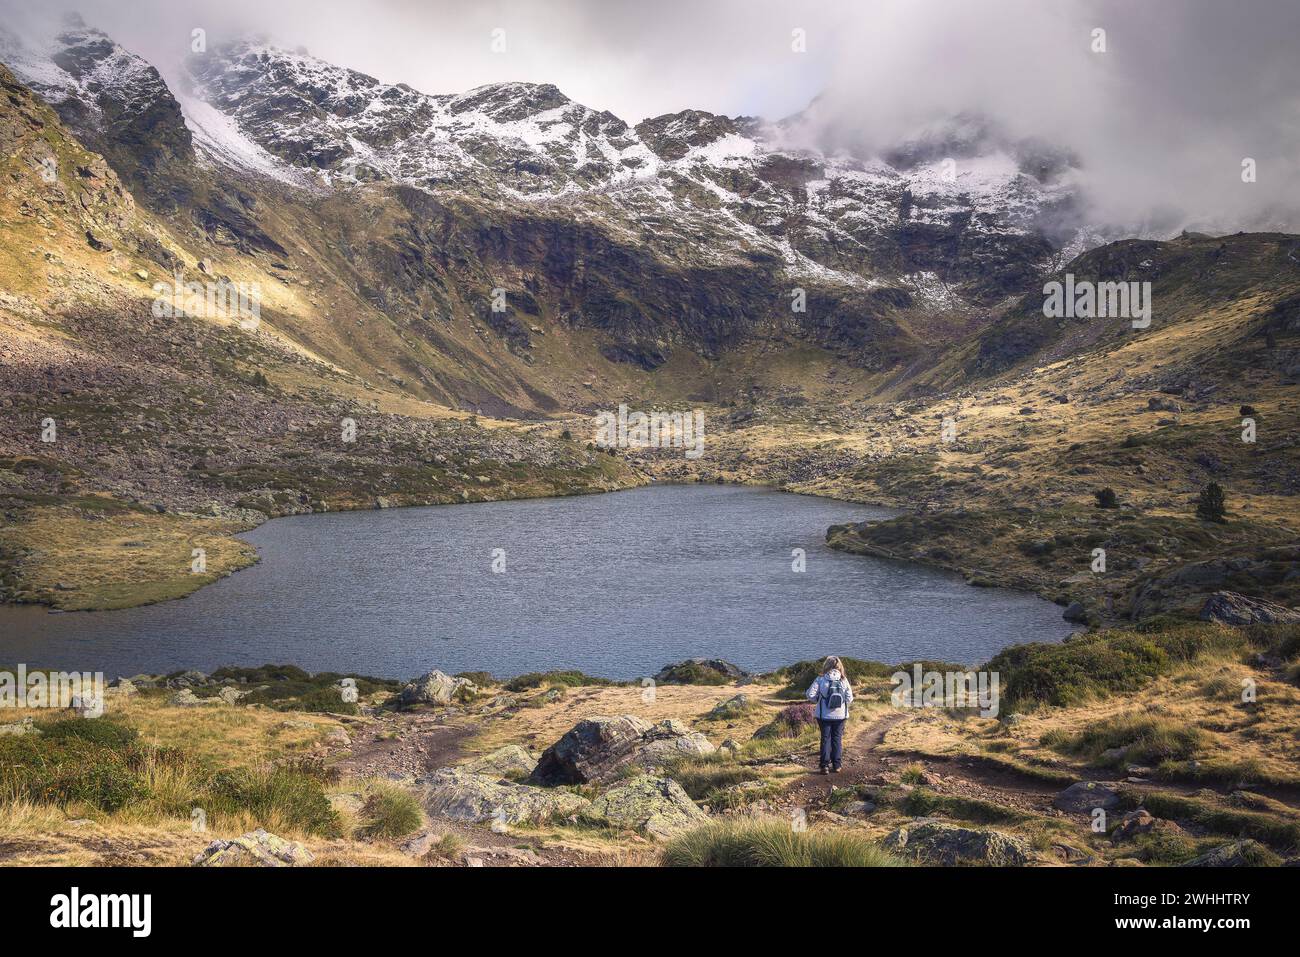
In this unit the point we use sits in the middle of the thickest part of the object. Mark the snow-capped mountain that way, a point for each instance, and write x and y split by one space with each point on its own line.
115 101
729 187
944 208
688 230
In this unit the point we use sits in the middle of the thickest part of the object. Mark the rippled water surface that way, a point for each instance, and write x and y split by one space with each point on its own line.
615 585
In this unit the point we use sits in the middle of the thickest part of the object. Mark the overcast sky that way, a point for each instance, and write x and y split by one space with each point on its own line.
1185 90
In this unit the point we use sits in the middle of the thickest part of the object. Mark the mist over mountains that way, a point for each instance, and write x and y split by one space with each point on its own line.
1158 124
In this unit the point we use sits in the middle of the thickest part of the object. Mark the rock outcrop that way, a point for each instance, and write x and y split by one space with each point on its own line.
595 749
1141 822
1083 797
1230 608
936 842
436 688
656 807
1237 854
462 796
257 848
510 761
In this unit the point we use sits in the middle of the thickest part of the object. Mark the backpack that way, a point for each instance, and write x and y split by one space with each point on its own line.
834 696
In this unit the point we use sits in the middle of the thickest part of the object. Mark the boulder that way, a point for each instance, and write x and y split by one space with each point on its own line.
510 761
1082 797
418 845
1237 854
656 807
257 848
185 698
733 707
1075 612
936 842
592 750
436 688
1135 824
1230 608
595 749
462 796
669 740
187 679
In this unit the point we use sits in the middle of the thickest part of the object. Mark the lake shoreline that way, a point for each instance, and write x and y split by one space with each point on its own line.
710 577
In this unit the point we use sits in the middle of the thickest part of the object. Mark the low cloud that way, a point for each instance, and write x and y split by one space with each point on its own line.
1161 121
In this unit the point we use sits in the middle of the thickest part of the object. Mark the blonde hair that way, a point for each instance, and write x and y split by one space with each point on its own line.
832 663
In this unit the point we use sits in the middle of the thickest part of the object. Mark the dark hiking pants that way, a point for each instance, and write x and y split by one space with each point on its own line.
832 742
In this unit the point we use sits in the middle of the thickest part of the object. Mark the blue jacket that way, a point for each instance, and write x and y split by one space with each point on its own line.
819 690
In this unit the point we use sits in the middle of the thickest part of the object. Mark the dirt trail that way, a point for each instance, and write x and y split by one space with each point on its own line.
862 762
414 745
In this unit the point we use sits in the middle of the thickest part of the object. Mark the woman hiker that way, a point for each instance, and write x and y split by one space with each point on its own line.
833 695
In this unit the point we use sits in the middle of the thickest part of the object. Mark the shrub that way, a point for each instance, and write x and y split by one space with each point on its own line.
390 812
1106 498
801 674
772 843
569 679
70 770
913 773
294 797
1145 740
289 688
1106 662
790 722
98 731
1210 506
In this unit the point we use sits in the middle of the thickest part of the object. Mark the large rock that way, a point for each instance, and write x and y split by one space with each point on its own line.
1083 797
1230 608
510 761
257 848
656 807
436 688
592 750
936 842
595 749
462 796
669 740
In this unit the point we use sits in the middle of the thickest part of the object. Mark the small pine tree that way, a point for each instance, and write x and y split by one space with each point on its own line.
1210 506
1106 498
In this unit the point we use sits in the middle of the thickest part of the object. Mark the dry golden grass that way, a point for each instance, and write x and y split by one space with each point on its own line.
117 558
1263 737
